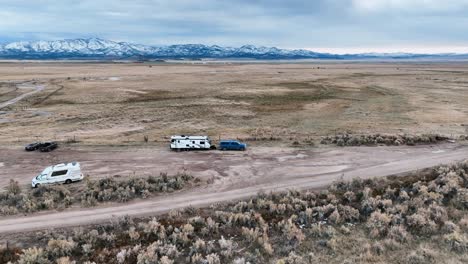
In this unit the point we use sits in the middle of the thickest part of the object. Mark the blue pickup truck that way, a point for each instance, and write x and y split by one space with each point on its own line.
231 145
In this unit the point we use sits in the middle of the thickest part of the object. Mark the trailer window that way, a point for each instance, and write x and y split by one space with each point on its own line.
193 142
202 142
59 173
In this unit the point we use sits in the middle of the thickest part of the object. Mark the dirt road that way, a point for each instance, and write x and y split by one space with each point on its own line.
237 174
23 86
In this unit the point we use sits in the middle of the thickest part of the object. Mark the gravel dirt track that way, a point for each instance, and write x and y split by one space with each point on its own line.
23 86
237 175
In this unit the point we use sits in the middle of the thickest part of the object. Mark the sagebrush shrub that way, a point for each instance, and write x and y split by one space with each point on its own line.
33 256
60 247
421 256
13 187
379 224
65 260
457 242
347 139
47 197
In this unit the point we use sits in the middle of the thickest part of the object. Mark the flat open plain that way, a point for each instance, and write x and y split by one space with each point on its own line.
106 110
120 103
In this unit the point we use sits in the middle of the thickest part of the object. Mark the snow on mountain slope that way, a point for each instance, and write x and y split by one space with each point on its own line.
95 47
106 49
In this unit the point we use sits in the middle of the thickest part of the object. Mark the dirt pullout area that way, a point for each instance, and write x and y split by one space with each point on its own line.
236 175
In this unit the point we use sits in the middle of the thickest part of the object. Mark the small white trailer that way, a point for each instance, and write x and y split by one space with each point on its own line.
191 142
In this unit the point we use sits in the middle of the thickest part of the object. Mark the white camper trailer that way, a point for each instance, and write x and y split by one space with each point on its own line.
60 173
191 142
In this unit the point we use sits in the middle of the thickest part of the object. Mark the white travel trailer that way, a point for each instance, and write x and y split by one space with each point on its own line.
191 142
60 173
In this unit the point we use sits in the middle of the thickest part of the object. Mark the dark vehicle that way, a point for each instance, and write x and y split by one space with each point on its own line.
33 146
231 145
48 146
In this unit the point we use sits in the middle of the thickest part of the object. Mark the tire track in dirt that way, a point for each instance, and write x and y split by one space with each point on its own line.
26 85
49 95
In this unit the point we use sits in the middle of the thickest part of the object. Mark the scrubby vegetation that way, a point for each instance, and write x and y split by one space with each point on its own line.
15 200
420 218
382 139
112 190
266 134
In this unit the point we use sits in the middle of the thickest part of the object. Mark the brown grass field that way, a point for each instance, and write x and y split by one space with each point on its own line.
285 200
117 103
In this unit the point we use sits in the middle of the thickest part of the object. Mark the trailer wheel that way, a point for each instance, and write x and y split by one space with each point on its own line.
37 185
68 181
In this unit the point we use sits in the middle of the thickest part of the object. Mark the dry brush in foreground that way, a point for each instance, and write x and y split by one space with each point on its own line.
347 139
16 200
420 218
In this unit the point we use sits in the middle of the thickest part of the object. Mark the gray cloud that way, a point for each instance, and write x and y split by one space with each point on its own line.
289 24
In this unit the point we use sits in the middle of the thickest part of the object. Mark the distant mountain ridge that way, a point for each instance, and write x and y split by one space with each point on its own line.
96 48
100 48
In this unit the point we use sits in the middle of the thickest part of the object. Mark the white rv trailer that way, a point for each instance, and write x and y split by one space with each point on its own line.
60 173
191 142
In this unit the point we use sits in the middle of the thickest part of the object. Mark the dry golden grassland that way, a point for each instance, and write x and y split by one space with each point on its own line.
117 103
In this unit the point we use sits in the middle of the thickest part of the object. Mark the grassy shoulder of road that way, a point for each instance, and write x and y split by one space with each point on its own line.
419 218
17 200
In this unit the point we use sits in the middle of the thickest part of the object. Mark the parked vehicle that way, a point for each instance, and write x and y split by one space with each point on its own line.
41 146
60 173
48 146
232 145
191 142
33 146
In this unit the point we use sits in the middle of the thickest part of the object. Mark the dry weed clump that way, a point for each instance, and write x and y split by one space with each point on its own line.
33 256
57 197
421 256
267 134
381 139
414 219
110 189
15 200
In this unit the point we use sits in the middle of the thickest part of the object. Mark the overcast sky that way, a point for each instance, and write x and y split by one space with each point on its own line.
323 25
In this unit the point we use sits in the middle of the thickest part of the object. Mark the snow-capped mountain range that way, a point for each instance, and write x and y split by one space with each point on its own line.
96 48
100 48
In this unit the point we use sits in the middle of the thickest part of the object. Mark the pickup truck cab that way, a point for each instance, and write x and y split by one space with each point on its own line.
232 145
60 173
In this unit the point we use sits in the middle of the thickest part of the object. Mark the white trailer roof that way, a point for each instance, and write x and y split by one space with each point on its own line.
189 137
63 165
